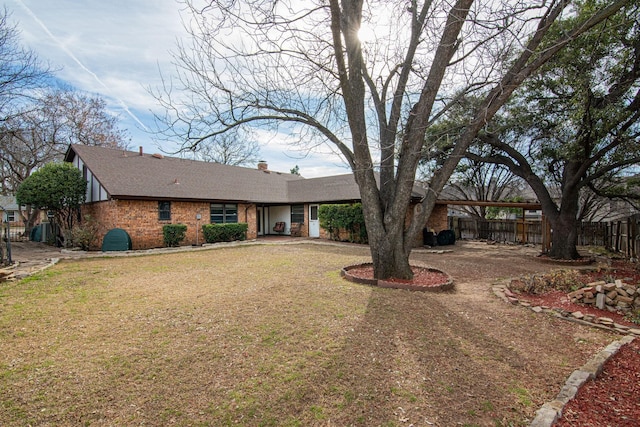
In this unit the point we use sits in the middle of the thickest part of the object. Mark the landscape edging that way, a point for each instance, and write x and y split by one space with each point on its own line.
551 411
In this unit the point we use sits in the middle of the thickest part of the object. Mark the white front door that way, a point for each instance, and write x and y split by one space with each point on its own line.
314 223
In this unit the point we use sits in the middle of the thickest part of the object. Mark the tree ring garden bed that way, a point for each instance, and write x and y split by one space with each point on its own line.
424 278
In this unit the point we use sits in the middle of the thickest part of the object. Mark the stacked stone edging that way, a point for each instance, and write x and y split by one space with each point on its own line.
615 296
566 262
503 292
550 412
447 286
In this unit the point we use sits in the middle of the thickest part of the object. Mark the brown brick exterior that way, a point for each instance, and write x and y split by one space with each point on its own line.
139 218
304 231
439 219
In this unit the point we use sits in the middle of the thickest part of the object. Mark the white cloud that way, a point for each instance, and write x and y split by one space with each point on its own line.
115 49
101 43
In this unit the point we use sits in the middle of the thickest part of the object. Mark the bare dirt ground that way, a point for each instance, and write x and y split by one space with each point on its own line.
271 335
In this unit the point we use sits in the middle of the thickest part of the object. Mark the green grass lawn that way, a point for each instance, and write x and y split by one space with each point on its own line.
269 336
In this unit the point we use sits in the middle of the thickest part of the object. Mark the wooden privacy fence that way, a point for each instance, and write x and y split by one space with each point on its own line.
624 236
498 230
619 236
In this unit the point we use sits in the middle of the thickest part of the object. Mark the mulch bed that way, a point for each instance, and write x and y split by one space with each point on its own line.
558 299
424 279
613 398
619 269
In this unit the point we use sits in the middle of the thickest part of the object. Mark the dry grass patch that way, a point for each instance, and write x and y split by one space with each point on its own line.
269 335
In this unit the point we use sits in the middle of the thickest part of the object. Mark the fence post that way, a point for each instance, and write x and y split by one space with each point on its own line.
630 238
546 234
455 225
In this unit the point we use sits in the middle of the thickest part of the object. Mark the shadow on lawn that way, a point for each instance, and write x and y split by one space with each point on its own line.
411 360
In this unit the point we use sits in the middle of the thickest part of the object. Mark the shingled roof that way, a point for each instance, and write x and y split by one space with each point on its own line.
133 175
9 203
128 174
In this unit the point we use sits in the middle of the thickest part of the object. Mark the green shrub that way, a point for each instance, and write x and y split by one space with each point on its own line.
173 234
214 233
338 219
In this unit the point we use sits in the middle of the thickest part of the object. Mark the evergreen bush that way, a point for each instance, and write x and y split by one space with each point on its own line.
345 218
173 234
214 233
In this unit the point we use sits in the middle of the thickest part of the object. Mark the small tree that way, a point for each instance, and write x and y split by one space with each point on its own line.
57 187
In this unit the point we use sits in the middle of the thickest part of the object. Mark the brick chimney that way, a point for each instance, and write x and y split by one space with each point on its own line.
263 166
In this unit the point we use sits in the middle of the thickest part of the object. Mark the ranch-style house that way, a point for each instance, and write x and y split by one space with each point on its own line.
140 193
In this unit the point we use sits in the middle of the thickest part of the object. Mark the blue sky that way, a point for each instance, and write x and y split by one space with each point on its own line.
116 48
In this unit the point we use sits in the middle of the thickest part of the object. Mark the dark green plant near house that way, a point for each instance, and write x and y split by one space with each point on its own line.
345 218
173 234
58 188
214 233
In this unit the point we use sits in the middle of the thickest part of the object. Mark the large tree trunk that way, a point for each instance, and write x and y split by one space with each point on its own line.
389 258
565 237
29 217
564 222
386 234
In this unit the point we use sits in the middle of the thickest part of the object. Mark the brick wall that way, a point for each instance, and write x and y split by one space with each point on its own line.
139 218
304 231
439 219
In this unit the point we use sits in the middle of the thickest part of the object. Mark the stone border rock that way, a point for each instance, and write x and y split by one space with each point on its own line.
612 296
550 412
502 291
447 286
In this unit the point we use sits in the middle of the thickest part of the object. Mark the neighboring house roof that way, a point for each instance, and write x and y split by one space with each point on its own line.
9 203
132 175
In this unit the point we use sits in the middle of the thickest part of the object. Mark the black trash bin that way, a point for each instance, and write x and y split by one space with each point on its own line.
429 238
446 237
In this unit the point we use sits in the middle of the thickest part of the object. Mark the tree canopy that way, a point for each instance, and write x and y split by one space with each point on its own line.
21 72
56 187
302 65
39 118
573 129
